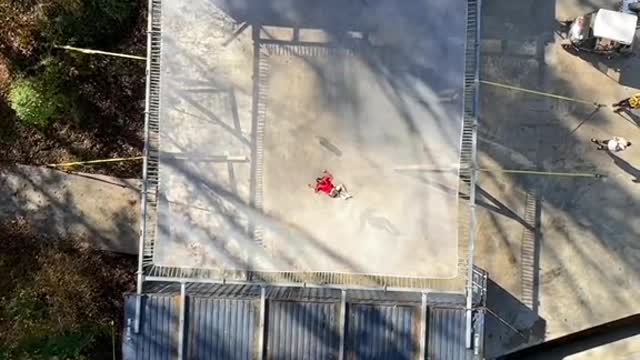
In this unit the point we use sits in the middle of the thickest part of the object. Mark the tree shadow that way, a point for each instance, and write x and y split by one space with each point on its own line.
55 202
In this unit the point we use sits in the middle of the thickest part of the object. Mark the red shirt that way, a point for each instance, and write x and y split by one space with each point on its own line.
325 185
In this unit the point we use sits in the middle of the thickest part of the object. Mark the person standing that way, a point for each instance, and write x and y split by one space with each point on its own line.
324 184
630 103
615 144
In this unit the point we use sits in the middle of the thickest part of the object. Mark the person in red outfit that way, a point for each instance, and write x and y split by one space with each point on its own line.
325 185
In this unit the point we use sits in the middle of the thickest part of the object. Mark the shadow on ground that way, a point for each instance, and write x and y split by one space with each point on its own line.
98 211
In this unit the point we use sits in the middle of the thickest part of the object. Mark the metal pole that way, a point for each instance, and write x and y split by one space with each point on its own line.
343 323
98 52
424 324
113 341
95 161
544 173
145 154
540 93
183 313
422 168
262 321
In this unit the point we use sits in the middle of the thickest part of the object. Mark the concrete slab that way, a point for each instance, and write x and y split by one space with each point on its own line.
101 211
258 98
563 247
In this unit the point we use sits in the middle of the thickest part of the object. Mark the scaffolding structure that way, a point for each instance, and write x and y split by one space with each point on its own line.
470 278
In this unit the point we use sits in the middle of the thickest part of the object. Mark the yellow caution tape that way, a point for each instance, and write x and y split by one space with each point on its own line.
541 93
96 161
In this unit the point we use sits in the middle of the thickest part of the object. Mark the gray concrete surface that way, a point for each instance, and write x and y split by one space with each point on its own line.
259 97
626 349
564 249
100 211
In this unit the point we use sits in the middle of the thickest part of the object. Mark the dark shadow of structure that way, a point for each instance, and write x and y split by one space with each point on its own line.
578 342
509 324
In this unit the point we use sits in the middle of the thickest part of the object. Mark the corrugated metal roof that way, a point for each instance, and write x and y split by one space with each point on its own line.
159 326
446 335
302 330
229 328
382 332
220 329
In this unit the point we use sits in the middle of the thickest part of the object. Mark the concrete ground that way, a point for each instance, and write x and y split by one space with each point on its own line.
626 349
258 99
102 211
564 249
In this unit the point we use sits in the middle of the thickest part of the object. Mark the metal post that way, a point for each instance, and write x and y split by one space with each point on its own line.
343 323
183 312
424 323
143 200
262 321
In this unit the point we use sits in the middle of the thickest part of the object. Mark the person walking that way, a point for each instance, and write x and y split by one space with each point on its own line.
615 144
324 184
630 103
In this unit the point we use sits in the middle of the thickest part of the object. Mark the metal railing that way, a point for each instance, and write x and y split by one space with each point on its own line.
152 139
468 148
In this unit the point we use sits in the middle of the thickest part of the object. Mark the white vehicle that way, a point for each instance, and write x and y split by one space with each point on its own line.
605 32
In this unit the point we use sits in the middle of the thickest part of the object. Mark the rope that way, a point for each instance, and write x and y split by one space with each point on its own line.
510 87
95 161
89 51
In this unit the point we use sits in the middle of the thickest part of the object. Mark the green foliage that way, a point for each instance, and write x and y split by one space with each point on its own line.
33 104
39 99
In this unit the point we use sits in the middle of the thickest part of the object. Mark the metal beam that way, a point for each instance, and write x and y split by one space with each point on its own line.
424 324
343 323
183 311
262 322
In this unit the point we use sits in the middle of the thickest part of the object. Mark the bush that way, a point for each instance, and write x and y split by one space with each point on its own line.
34 105
37 100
